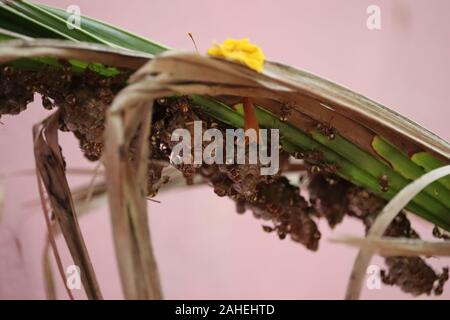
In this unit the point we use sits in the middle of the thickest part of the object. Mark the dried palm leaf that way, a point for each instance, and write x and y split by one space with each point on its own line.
86 199
388 246
50 243
50 165
382 223
87 52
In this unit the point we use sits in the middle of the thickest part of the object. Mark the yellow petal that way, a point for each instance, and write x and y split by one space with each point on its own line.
240 50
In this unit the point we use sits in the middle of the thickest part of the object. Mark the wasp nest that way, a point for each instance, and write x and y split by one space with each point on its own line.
82 99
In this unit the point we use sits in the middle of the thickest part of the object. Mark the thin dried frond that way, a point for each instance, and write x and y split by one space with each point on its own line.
383 221
91 185
86 199
49 279
388 246
51 169
50 243
89 52
127 198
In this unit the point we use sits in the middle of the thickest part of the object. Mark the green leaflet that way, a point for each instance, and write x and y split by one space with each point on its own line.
408 169
111 34
377 169
16 21
41 21
429 162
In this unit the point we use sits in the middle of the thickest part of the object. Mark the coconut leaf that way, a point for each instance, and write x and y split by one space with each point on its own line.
369 141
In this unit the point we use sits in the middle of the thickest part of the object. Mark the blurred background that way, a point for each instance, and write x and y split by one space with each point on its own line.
205 250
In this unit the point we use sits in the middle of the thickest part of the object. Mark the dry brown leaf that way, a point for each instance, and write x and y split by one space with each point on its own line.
128 205
49 281
97 196
50 165
50 243
89 52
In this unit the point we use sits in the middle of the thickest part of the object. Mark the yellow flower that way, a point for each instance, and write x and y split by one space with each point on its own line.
241 51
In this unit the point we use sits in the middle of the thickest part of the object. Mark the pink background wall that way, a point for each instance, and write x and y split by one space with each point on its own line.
204 249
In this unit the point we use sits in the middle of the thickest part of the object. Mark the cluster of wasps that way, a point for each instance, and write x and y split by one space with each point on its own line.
83 98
